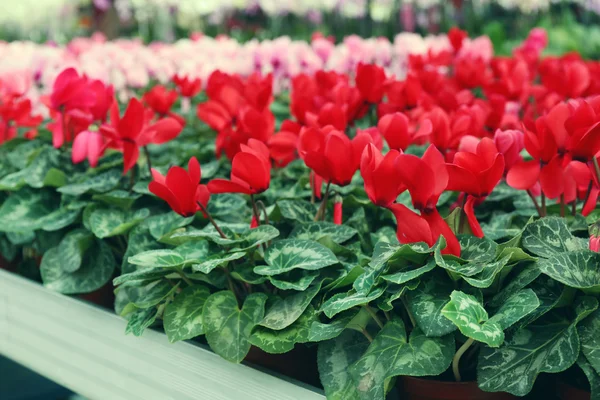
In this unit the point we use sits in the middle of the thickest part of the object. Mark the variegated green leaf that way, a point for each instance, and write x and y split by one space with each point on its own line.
100 183
485 278
550 236
139 320
289 254
549 345
391 354
408 275
334 359
317 230
160 225
119 198
183 316
217 260
152 294
96 270
286 311
158 258
225 205
525 275
107 222
345 301
73 247
592 375
589 335
227 328
139 240
297 279
516 308
472 319
426 302
297 210
284 340
577 269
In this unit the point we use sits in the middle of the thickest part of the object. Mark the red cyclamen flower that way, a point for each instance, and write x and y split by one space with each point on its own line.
181 189
250 171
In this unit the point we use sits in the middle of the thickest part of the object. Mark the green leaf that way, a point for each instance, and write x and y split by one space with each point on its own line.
55 178
577 269
527 274
160 225
142 276
96 270
549 292
334 358
320 331
485 278
405 276
227 328
20 238
550 236
118 198
394 292
183 316
139 240
344 301
297 279
284 340
225 205
214 261
472 319
193 251
297 210
392 354
592 375
426 303
152 294
158 258
286 255
26 210
515 254
589 335
39 168
317 230
255 237
73 247
549 345
140 320
245 273
286 311
516 308
477 249
100 183
107 222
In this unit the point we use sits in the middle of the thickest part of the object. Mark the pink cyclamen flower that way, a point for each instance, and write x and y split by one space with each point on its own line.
88 145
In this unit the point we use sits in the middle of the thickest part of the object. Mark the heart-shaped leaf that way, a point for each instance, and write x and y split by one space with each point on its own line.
391 354
286 311
426 302
183 316
320 229
550 236
344 301
158 258
107 222
334 359
577 269
289 254
227 328
216 260
472 319
284 340
73 247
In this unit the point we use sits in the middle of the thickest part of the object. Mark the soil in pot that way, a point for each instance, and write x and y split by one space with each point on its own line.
428 389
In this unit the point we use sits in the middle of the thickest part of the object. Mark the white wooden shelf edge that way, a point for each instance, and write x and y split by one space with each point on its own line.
85 349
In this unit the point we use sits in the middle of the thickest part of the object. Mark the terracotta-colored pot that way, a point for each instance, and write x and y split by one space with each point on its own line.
569 392
427 389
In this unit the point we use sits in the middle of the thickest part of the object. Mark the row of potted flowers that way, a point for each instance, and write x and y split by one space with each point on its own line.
430 226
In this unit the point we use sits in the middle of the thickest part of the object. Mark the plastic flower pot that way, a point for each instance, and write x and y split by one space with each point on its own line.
567 391
427 389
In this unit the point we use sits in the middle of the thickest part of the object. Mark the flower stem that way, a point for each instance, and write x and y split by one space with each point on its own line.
596 168
255 209
535 203
212 221
562 205
457 357
543 205
262 207
321 211
148 161
373 315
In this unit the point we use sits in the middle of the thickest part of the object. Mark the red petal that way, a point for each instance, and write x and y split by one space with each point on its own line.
470 213
440 227
164 193
412 228
523 175
224 186
462 180
250 169
132 122
552 178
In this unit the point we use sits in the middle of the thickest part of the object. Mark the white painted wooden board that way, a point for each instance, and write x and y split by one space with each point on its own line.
85 349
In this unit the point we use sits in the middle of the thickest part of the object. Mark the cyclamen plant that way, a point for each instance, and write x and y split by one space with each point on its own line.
397 225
